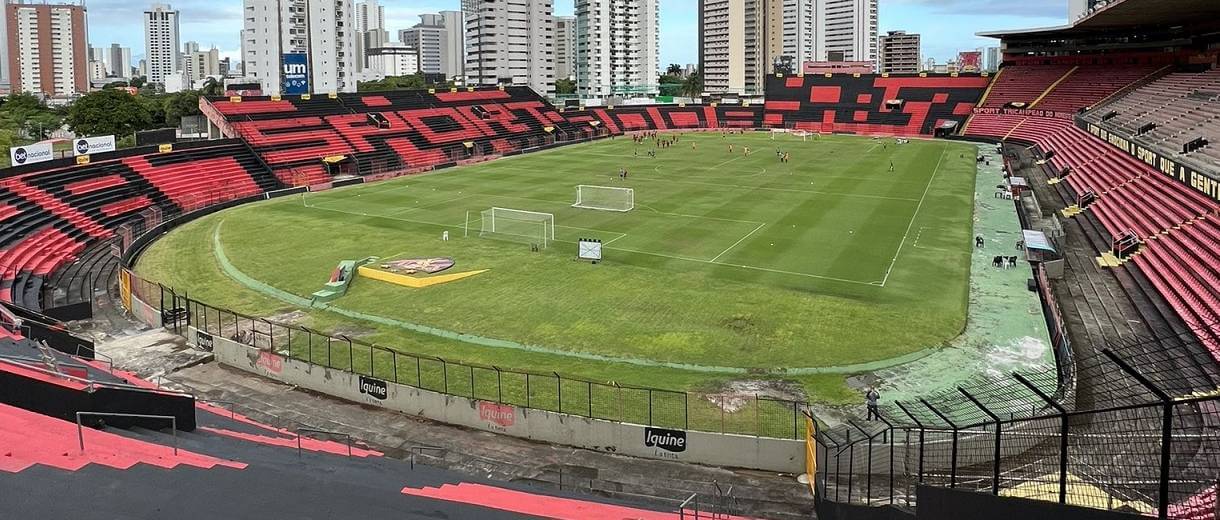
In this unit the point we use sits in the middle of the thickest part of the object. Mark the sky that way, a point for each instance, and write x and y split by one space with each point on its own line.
946 26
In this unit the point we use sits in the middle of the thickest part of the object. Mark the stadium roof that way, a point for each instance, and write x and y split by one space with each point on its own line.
1126 13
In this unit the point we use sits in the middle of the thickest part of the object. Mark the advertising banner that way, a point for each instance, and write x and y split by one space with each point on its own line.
92 145
295 74
30 153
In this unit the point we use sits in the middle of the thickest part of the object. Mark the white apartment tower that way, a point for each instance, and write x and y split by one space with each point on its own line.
847 30
798 31
616 48
510 43
161 42
47 48
565 47
440 40
279 34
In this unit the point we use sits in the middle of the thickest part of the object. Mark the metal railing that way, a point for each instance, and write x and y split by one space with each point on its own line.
80 430
1138 434
756 415
347 438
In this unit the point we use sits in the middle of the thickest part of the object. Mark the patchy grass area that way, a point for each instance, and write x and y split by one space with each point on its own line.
730 269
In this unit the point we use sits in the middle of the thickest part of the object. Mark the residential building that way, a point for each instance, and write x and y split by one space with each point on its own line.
201 64
565 47
722 47
314 39
510 43
992 59
394 59
746 40
47 47
439 37
161 42
898 53
846 30
97 70
617 48
369 16
118 61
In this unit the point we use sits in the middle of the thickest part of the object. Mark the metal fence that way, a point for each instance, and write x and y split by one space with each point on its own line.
1143 437
746 415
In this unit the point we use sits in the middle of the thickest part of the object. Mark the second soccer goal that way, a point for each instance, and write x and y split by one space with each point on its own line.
605 198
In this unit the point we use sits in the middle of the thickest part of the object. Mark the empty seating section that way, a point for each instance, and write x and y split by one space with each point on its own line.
1089 84
1171 111
1179 226
50 217
424 130
872 104
1023 84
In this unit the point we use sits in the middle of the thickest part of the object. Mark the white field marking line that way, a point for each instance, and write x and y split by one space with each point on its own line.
429 205
914 215
330 197
387 217
743 266
650 253
655 210
613 240
735 244
789 190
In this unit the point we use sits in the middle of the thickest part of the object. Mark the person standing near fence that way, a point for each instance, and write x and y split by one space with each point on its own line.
871 397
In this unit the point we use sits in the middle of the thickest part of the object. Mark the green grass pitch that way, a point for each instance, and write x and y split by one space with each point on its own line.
729 267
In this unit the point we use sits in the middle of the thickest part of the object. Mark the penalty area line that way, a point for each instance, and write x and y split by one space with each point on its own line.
914 215
735 244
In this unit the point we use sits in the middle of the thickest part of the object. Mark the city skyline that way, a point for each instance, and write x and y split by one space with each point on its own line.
947 26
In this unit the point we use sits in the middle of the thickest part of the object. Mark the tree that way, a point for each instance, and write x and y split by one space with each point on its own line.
179 105
693 86
413 81
26 115
213 87
138 81
673 70
112 112
115 84
565 86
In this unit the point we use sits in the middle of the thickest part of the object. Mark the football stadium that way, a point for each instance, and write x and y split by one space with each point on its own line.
854 295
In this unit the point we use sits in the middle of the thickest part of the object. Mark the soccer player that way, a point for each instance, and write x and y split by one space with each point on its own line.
747 150
730 147
891 166
622 174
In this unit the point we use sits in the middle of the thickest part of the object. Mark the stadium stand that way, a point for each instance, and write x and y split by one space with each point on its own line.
1168 113
1178 225
52 216
1024 84
309 141
872 104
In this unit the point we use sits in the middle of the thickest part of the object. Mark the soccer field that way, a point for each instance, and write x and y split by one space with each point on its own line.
728 264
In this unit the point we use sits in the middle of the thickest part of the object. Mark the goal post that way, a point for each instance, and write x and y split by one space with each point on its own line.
518 224
604 198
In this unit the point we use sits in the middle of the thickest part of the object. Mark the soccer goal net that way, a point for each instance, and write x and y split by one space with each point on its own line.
606 198
518 224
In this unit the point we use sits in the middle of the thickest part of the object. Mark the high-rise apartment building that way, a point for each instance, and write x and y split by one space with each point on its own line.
300 46
846 30
47 48
510 43
745 40
616 48
161 42
201 64
565 47
439 39
118 61
991 59
898 53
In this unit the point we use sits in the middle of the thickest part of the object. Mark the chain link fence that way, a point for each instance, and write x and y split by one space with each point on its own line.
747 415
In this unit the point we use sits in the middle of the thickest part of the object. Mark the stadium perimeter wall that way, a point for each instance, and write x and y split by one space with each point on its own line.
739 451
